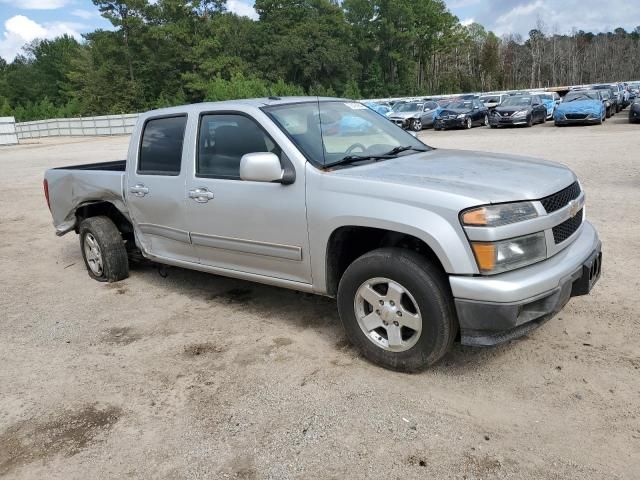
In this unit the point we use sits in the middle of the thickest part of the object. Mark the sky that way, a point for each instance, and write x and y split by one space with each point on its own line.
24 20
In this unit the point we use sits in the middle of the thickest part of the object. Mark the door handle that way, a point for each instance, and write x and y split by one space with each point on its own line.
201 195
139 190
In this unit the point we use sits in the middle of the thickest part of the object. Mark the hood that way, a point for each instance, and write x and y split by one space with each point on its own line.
580 106
479 177
454 111
403 114
511 108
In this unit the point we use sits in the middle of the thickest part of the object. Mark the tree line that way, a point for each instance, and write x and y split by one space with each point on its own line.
171 52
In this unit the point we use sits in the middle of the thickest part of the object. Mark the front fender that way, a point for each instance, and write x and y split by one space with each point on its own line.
440 229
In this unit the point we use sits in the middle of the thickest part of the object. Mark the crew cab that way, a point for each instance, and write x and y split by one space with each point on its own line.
419 245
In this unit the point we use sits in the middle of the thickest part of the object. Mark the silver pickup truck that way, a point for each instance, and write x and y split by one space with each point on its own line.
419 245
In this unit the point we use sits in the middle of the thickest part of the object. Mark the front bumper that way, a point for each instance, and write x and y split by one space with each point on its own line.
497 120
402 122
499 308
449 123
588 120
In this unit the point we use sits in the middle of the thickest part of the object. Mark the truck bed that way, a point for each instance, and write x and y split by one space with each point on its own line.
77 185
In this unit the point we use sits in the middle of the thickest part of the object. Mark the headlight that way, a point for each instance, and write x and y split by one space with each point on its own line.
521 113
497 215
462 115
497 257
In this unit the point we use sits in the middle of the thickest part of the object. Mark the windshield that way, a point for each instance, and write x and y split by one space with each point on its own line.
582 95
546 96
490 99
328 131
516 101
408 107
466 105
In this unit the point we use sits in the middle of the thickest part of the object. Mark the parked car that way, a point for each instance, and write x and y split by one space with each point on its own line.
462 114
378 108
616 98
634 111
493 100
519 110
549 101
414 115
418 244
609 106
581 107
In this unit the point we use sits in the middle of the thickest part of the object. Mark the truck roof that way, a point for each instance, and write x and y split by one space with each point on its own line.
253 102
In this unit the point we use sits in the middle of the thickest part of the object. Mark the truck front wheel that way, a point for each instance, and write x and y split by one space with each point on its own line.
396 307
103 250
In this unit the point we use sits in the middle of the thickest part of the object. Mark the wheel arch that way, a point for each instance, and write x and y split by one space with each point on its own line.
103 208
348 242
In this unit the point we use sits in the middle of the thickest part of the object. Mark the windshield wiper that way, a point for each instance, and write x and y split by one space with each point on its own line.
399 149
382 156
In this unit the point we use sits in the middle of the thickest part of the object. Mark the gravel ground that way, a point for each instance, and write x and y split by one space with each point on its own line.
198 376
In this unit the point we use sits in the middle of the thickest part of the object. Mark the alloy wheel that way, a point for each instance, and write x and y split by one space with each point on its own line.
388 314
93 254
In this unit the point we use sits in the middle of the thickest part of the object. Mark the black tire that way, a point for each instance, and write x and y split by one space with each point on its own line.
468 123
426 283
493 126
114 259
530 121
486 121
416 125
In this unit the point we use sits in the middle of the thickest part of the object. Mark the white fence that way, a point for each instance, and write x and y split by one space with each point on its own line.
56 127
8 131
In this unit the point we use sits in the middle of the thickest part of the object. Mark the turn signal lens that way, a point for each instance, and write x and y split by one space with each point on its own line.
485 256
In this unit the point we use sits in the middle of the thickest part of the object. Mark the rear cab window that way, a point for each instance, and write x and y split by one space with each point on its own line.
161 146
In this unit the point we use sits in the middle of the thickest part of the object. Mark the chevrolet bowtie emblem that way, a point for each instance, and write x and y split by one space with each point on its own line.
574 208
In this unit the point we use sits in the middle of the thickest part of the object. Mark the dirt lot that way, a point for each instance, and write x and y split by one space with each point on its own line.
197 376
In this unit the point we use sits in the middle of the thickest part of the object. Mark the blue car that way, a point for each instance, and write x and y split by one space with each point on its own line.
580 107
376 107
549 101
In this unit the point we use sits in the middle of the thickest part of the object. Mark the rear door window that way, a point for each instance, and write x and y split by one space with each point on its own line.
161 146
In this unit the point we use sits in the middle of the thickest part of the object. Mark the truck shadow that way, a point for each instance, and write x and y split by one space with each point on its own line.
299 309
274 305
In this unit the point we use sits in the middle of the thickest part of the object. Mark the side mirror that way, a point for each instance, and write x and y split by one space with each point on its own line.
261 167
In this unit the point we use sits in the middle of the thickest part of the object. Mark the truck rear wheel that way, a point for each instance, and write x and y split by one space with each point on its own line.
103 250
396 307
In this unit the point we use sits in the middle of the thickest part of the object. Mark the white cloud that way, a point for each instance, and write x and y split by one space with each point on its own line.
241 8
19 30
467 21
86 14
520 16
37 4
